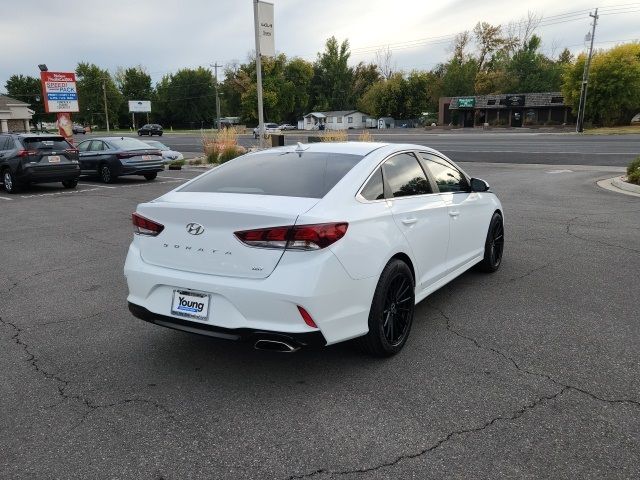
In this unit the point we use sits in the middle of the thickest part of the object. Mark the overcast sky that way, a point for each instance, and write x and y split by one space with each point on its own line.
165 35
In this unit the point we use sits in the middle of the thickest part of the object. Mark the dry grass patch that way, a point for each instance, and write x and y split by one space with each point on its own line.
334 136
222 146
365 137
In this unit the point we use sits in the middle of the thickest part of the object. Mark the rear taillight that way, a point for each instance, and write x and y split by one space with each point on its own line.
298 237
144 226
72 150
27 153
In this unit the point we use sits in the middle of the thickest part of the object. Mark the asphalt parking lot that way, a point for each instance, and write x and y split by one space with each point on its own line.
533 372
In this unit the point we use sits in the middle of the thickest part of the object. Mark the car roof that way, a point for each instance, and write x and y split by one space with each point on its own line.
36 135
354 148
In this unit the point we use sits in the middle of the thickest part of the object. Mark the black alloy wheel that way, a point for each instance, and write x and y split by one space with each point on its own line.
391 313
151 176
106 175
9 181
494 245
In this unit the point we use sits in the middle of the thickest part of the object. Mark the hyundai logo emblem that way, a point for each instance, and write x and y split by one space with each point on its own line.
195 228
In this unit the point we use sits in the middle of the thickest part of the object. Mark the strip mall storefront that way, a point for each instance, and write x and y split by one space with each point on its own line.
510 110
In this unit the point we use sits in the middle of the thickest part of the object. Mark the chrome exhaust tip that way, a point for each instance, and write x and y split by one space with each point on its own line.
275 346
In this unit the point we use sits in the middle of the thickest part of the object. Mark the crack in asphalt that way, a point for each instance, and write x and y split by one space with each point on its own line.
528 273
456 433
63 384
564 387
592 240
529 372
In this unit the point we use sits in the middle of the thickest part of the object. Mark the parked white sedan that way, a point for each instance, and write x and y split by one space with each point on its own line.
168 155
311 244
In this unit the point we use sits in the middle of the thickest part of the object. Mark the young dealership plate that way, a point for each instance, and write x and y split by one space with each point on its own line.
190 304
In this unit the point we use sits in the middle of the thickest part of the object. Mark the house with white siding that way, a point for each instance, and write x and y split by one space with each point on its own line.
336 120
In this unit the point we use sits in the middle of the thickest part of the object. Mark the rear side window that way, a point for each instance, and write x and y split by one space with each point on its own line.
374 189
84 146
448 178
405 176
4 143
46 143
287 174
96 146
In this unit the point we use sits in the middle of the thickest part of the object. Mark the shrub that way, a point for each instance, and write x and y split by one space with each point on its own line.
177 163
633 172
230 152
334 136
365 137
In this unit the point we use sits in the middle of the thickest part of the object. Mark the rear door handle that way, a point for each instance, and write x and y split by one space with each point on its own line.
409 220
454 213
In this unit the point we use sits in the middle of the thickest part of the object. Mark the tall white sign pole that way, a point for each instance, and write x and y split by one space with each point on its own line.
263 19
256 17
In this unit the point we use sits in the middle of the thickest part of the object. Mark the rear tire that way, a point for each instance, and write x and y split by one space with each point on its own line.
73 183
106 174
151 176
391 313
10 183
494 245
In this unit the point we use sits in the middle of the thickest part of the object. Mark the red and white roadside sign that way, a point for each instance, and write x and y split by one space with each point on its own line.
59 92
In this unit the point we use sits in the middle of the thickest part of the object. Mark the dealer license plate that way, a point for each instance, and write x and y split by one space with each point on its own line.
147 157
54 159
190 304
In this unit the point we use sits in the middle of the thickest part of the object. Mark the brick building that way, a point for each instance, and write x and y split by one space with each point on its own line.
507 110
14 115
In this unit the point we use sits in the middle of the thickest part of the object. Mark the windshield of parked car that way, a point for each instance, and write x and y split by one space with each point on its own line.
288 174
126 143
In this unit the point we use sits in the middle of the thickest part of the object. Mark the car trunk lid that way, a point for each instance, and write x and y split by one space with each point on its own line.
198 234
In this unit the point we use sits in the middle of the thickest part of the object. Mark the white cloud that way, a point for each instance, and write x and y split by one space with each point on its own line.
165 35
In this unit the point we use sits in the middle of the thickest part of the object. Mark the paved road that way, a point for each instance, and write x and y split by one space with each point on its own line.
554 149
531 372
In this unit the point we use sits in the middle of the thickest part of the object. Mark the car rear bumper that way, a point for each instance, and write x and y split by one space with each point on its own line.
49 173
316 281
141 169
314 338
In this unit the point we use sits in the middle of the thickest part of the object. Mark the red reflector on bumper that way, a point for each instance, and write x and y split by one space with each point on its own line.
306 317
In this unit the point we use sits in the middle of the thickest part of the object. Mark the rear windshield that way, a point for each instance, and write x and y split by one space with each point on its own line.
287 174
126 143
46 143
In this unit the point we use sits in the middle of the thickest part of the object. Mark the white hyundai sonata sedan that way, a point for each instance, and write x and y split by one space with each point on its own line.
311 245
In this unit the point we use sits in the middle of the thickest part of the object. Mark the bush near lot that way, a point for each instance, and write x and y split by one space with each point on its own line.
633 172
222 146
334 136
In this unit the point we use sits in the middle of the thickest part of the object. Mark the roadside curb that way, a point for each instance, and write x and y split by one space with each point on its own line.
618 185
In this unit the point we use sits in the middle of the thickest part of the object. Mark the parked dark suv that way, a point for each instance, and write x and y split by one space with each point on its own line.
150 129
111 157
37 158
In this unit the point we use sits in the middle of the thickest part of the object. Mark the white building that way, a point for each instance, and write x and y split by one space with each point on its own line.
337 120
14 115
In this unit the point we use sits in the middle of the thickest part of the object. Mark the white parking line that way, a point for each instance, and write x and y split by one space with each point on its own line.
92 185
5 198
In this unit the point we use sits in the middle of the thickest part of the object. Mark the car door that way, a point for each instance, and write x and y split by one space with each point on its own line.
420 213
467 211
4 148
83 155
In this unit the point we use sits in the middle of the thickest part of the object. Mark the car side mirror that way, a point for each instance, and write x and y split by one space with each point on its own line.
479 185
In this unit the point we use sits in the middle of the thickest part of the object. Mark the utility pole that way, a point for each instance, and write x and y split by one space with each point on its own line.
585 77
104 96
256 22
215 66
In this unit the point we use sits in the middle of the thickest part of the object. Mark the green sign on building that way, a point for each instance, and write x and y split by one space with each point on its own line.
466 102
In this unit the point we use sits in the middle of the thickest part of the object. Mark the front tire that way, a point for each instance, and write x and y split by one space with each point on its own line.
494 245
391 313
151 176
73 183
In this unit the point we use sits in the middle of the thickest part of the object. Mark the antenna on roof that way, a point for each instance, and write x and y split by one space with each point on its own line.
300 147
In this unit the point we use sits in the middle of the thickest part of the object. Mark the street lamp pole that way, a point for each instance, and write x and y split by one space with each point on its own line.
215 66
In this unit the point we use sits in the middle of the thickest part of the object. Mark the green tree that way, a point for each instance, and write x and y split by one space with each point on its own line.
614 85
91 80
135 84
364 76
333 77
186 98
386 99
29 89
